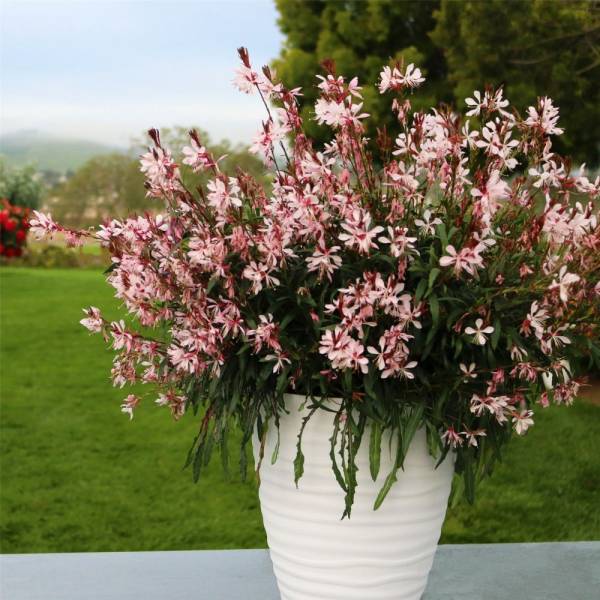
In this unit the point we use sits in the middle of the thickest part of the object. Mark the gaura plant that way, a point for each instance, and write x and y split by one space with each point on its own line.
444 277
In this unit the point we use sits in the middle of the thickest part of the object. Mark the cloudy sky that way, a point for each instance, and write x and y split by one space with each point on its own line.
108 70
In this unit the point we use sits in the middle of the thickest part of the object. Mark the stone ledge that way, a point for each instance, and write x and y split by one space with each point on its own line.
552 571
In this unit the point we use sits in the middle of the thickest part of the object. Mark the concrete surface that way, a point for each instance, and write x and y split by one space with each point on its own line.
553 571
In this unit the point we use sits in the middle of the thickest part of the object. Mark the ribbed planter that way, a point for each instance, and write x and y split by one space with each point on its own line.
375 555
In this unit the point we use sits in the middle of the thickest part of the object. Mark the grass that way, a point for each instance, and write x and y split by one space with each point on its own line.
76 475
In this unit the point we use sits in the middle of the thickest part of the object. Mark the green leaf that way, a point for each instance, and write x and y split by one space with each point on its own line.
434 307
211 284
375 449
286 321
298 465
433 276
299 460
196 467
410 428
282 382
333 441
441 231
276 449
496 334
389 481
421 289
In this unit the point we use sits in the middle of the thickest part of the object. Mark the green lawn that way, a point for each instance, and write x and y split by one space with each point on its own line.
76 475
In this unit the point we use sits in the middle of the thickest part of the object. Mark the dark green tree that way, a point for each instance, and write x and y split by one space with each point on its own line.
532 47
360 36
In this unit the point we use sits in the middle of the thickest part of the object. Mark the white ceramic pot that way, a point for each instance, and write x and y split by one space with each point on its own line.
375 555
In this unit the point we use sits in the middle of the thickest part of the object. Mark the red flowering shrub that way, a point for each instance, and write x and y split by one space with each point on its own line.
14 224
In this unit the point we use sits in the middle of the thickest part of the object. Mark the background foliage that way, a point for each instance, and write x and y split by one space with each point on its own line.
21 187
533 47
112 185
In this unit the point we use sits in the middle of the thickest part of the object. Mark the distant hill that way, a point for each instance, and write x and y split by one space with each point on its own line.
49 152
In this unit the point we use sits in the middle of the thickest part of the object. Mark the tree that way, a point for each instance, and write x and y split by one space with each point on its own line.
533 47
106 185
360 36
112 185
21 187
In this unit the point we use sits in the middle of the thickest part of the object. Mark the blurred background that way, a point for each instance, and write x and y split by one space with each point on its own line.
80 83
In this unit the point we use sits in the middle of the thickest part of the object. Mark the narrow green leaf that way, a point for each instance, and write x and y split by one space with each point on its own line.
433 276
286 321
276 449
389 481
421 289
299 460
496 334
332 448
197 466
411 427
375 449
441 231
392 476
434 307
298 465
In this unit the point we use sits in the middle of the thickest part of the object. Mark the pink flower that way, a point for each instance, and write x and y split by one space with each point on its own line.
472 436
494 405
122 339
325 261
184 360
333 343
197 157
358 234
427 224
159 167
281 359
544 118
265 334
223 194
468 259
490 195
535 320
271 133
245 79
489 103
94 321
522 421
42 225
469 372
174 401
399 242
352 356
260 275
129 404
395 80
343 351
479 332
412 77
451 437
339 113
563 282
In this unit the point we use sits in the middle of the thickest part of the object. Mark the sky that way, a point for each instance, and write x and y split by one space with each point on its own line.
108 70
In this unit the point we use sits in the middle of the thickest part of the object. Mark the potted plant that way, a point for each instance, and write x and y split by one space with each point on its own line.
388 313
